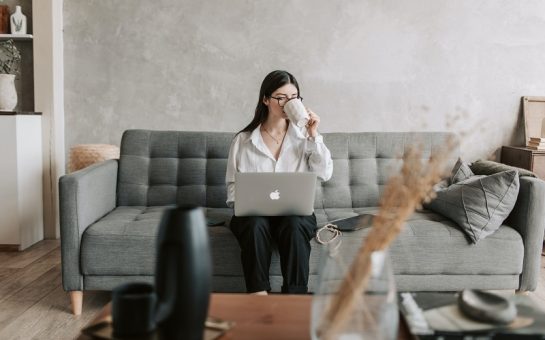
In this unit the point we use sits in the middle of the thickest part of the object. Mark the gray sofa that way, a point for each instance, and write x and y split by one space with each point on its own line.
110 213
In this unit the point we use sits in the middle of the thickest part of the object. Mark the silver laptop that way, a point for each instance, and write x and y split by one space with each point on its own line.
274 193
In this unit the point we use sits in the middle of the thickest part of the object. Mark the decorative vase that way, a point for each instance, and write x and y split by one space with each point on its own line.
18 21
375 315
8 95
183 275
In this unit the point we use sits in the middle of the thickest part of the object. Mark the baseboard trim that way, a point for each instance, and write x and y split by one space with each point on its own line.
9 247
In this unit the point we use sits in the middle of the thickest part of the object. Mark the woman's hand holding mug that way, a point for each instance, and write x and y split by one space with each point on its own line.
302 116
313 122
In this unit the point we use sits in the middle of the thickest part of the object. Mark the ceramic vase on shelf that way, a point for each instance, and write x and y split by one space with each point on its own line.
18 21
375 315
8 94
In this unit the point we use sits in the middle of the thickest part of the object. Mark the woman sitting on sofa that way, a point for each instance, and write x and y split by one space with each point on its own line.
271 143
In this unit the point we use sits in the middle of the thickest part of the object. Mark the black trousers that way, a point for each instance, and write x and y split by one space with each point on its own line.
292 235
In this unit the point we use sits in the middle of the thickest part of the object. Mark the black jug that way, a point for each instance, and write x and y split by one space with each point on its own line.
183 274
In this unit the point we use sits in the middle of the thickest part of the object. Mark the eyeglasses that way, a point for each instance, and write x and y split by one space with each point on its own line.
282 100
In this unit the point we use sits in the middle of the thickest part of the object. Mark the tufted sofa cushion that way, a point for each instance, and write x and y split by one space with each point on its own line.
159 168
123 243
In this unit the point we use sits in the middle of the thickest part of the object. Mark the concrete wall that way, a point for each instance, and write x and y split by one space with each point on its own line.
364 65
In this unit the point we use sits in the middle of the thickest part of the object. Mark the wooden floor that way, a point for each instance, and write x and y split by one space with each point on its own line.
33 304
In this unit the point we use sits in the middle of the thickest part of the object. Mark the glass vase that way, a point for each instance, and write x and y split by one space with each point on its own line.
375 314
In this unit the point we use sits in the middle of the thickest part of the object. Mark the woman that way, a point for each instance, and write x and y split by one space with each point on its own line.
270 143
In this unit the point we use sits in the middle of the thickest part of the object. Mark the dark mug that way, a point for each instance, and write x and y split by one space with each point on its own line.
133 309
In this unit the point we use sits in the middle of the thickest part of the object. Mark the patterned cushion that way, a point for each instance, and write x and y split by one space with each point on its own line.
460 172
478 204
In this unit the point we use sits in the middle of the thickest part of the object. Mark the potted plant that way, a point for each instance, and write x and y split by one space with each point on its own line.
10 59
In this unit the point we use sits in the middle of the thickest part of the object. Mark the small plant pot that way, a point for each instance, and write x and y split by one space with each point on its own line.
8 94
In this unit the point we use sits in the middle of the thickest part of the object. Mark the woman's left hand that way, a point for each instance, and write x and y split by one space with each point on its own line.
313 122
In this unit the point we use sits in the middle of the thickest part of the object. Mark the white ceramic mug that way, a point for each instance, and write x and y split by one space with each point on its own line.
297 113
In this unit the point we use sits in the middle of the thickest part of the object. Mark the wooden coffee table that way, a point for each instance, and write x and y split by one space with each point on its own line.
271 317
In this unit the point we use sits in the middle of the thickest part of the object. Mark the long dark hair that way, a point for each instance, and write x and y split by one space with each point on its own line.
271 83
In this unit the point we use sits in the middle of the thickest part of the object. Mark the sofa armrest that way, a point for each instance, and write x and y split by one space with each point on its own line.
528 218
84 197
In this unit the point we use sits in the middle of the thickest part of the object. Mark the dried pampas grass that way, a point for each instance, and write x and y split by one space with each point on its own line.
403 194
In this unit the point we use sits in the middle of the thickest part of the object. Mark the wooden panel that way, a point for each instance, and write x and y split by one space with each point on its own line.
9 247
534 115
259 317
518 157
539 166
533 160
25 276
25 298
50 317
6 273
24 258
4 19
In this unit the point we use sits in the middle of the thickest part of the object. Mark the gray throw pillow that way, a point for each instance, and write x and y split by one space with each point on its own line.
460 172
484 167
478 204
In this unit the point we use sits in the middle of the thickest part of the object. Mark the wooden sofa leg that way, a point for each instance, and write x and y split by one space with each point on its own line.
76 301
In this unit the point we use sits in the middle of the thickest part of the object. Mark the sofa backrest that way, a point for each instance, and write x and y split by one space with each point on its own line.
363 162
176 167
173 167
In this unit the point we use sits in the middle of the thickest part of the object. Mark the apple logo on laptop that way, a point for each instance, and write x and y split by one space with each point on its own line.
275 195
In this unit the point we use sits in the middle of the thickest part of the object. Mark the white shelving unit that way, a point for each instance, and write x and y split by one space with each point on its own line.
17 37
21 222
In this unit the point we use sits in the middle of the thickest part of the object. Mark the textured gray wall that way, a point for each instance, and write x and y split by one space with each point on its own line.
364 65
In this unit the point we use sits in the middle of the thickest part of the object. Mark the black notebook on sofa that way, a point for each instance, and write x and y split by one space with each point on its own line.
354 223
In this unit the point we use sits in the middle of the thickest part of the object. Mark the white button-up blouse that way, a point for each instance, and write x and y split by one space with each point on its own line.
249 153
